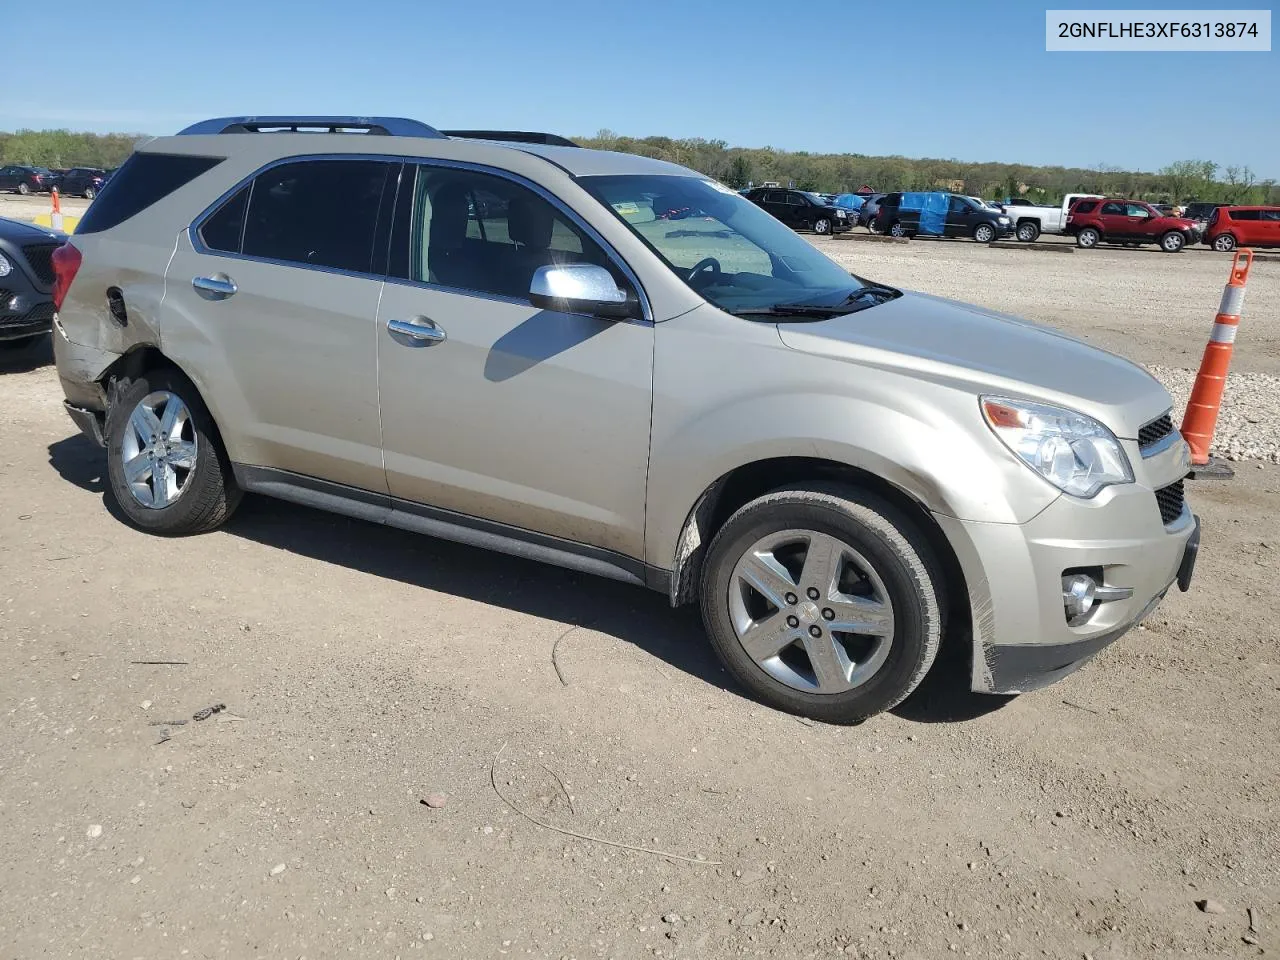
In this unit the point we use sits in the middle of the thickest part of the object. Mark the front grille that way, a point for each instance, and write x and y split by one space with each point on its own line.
1170 499
4 298
1155 431
40 256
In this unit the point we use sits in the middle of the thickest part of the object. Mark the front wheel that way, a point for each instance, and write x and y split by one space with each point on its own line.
1224 243
1173 242
822 225
822 602
984 233
1028 232
166 468
1088 238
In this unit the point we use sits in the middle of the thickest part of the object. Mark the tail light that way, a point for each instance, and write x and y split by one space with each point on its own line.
66 263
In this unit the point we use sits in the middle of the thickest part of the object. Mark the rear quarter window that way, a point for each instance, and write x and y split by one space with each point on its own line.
144 179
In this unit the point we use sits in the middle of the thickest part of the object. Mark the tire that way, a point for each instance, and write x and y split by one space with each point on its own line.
89 193
895 571
202 495
1173 241
984 233
822 225
1028 231
1224 243
23 189
897 230
1088 238
871 226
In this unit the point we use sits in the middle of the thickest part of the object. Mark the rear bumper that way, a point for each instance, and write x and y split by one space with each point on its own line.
89 422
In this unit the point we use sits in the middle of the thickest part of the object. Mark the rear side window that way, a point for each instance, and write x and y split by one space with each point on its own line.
320 213
1086 206
144 179
1272 215
1244 214
223 231
1113 208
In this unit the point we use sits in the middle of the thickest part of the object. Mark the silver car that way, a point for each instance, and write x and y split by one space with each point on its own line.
620 366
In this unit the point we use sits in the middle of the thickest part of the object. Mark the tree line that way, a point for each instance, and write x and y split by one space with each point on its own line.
1179 182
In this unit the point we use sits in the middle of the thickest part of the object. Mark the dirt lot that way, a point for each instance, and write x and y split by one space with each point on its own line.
364 669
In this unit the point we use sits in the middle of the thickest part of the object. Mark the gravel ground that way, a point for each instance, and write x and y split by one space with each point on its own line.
365 671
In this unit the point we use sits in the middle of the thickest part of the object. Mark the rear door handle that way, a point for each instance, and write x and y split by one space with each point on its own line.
217 287
421 330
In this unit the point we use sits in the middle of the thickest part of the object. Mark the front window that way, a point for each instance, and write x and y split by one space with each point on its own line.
726 248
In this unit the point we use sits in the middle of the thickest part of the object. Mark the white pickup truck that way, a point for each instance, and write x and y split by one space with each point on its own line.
1030 220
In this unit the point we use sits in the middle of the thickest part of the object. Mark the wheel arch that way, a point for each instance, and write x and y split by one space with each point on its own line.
739 486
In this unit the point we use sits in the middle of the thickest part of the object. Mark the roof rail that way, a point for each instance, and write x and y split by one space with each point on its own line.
374 126
512 136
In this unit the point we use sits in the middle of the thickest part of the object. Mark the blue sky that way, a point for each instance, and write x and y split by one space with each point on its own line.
969 80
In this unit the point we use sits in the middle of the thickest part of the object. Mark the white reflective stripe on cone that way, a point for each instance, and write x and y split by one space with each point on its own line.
1223 333
1232 301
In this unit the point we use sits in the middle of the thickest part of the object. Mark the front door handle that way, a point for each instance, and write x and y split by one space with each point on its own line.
217 287
421 330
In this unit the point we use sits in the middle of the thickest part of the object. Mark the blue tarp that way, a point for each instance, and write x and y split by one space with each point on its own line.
850 201
933 210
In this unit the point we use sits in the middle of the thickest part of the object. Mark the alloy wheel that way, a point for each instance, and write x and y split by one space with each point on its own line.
159 450
811 611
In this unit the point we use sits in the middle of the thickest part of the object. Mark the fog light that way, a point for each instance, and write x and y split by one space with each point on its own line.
1078 596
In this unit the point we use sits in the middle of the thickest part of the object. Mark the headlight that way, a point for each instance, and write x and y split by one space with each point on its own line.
1004 219
840 214
5 266
1075 453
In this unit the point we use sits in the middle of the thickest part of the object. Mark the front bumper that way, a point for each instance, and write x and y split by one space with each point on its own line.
24 314
1013 572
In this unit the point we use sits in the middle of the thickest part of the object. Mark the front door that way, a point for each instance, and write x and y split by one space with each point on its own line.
272 310
498 409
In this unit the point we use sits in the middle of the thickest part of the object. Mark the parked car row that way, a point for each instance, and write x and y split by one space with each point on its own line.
77 181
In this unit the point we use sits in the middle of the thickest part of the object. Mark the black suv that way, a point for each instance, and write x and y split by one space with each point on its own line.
941 215
82 182
801 210
26 282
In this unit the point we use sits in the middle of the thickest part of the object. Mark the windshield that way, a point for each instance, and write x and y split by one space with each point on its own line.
816 198
722 245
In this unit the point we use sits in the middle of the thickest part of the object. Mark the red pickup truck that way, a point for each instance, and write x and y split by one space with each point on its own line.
1096 220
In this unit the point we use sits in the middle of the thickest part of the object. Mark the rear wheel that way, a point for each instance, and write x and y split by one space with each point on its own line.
165 464
23 189
1224 243
1028 231
89 193
1088 238
822 602
984 233
897 230
1173 241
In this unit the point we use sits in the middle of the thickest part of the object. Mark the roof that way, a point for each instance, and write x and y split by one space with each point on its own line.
582 162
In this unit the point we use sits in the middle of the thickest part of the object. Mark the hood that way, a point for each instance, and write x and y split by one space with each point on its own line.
985 352
1180 223
16 231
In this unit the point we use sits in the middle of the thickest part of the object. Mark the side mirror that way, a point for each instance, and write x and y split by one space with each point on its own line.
581 288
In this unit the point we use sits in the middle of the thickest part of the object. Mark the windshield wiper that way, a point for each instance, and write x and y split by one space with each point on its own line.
796 310
888 293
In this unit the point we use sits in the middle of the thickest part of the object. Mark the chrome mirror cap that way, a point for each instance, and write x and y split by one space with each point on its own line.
583 283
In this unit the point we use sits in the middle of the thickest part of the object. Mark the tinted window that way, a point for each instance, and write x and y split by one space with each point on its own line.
1086 206
1272 215
1244 214
484 233
1113 208
224 230
956 205
142 180
321 213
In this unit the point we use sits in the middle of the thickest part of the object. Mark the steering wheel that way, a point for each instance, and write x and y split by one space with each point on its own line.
710 264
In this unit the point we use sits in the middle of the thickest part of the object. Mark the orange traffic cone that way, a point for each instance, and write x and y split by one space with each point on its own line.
55 218
1206 395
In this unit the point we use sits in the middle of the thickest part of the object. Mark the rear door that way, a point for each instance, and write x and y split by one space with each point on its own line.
1113 219
1248 225
1269 223
521 415
273 301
